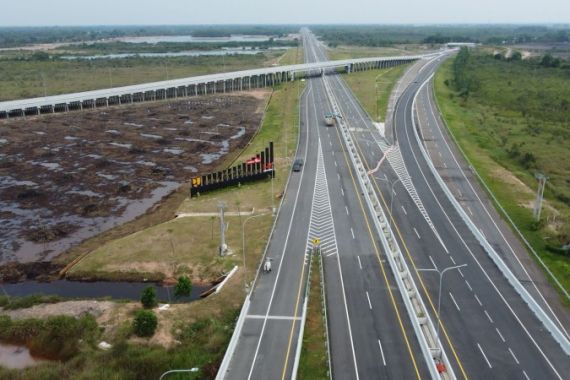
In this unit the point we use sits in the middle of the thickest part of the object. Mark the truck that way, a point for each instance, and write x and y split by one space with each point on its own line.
329 120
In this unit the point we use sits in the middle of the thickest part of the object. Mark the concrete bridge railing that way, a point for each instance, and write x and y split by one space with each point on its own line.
191 86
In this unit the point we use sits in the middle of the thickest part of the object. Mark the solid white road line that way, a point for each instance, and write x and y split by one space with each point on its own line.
279 317
417 234
513 355
404 210
352 232
500 335
382 353
488 316
368 298
484 356
359 262
478 300
455 303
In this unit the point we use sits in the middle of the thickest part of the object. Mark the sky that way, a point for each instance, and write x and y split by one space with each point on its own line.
161 12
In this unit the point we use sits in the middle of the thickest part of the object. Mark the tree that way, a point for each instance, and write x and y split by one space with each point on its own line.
148 297
183 287
145 322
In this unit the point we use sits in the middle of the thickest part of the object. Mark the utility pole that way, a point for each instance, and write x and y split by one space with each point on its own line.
223 246
539 194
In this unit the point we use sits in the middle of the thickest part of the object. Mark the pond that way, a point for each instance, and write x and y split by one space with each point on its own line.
189 53
97 289
187 38
16 357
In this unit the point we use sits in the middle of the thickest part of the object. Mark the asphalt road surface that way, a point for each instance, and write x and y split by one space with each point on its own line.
487 329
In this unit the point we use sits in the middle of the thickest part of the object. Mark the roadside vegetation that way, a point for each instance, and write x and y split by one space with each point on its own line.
313 363
373 89
510 116
387 35
351 51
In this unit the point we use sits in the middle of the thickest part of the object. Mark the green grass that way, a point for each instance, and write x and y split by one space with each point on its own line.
507 113
25 78
202 345
313 363
12 303
351 51
373 88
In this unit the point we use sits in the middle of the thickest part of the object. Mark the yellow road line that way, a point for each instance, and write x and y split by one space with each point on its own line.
371 235
293 324
395 224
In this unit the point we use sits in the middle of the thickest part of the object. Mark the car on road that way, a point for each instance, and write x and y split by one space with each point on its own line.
298 165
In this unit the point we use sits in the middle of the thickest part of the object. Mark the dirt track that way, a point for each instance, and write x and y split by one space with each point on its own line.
67 177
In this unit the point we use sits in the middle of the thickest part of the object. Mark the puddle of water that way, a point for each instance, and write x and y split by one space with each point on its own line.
150 136
16 357
128 146
175 151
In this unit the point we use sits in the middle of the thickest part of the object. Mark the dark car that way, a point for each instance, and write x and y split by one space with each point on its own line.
298 165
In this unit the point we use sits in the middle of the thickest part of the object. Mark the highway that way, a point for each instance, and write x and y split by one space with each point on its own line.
487 329
370 334
369 331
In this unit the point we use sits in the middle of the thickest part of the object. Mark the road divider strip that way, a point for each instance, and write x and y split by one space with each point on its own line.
421 322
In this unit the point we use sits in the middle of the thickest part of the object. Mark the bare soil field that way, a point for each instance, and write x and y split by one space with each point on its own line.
68 177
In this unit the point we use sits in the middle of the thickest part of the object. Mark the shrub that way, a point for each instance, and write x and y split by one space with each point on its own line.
145 323
183 287
148 297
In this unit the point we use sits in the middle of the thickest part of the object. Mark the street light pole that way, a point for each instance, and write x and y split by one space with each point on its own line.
441 273
392 184
243 248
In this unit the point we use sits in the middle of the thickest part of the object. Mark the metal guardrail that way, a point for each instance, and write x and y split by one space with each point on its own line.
415 307
505 270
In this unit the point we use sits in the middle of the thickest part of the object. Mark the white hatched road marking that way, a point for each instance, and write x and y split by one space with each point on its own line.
321 224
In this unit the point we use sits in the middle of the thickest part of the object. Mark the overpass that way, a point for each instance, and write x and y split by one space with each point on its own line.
191 86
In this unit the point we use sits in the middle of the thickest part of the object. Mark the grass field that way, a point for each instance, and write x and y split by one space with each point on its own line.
313 363
512 123
373 88
346 51
26 78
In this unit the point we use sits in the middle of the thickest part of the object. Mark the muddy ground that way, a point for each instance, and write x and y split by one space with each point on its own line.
67 177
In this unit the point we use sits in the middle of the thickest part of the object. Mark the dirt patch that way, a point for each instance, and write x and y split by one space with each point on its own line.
69 308
510 179
65 178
